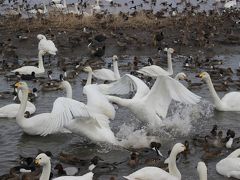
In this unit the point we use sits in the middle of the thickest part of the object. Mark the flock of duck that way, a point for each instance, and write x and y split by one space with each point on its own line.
86 8
147 98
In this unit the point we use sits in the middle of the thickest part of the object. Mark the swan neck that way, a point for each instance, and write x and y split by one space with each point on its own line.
115 70
89 79
40 61
169 58
213 92
177 77
172 166
23 105
46 171
234 154
68 89
118 100
202 175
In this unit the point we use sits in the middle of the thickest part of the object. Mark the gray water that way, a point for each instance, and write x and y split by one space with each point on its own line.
188 120
14 142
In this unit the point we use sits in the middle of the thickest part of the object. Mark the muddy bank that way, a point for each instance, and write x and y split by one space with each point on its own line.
126 34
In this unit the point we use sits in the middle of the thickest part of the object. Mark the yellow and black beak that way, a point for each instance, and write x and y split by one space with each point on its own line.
37 162
200 75
17 85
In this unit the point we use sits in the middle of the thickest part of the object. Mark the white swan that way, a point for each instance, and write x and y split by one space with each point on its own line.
60 6
106 74
45 45
230 102
64 110
153 106
96 125
44 161
181 76
155 71
10 110
29 69
230 4
230 166
155 173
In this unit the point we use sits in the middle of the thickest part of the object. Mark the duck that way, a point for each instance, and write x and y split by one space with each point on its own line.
228 166
69 171
45 161
155 101
11 110
230 101
154 71
155 173
30 69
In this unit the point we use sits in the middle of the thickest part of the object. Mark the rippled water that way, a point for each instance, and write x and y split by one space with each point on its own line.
184 121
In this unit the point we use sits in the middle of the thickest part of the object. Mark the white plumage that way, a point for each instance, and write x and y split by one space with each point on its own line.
155 71
29 69
44 161
229 102
45 45
153 106
230 166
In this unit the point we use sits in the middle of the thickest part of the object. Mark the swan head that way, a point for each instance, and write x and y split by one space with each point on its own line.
87 69
178 148
169 50
201 168
182 76
21 85
115 58
42 159
40 37
204 76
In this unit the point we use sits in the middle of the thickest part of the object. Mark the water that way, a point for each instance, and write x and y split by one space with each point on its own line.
183 121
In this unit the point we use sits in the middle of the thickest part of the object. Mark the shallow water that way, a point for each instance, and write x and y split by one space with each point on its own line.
184 121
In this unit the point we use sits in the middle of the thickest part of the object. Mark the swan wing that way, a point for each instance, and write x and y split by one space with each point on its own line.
232 100
150 173
63 112
97 102
125 85
87 176
104 74
164 90
153 71
27 70
47 46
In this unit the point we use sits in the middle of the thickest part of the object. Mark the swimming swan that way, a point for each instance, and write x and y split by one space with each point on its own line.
155 173
29 69
106 74
229 166
153 106
45 45
64 110
155 71
229 102
44 161
10 110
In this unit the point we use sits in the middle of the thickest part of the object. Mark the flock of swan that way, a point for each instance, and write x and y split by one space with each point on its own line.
92 119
